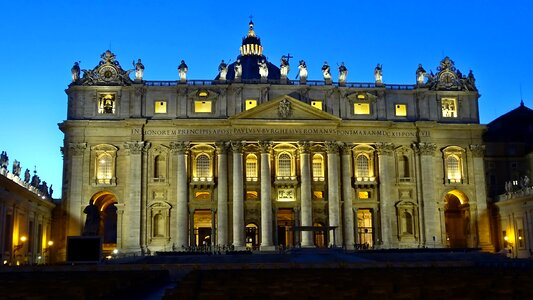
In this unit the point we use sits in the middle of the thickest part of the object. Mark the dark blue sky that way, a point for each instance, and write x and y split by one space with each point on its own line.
41 40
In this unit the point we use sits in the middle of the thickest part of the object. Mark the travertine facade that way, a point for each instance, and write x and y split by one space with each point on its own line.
260 161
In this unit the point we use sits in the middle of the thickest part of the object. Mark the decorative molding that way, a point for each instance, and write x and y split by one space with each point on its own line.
134 147
221 147
346 149
304 147
477 150
236 146
179 147
425 148
266 146
385 148
332 147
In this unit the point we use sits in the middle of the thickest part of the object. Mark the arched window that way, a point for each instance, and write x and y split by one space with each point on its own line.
318 167
104 168
284 165
453 167
362 166
160 167
251 167
203 166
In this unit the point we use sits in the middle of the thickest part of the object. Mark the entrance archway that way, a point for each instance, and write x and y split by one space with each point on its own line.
252 236
457 221
202 227
105 201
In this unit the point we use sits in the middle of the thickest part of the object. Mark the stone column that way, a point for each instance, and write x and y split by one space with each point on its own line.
478 151
386 196
222 192
356 227
145 235
347 196
431 226
75 204
305 196
238 196
333 192
182 232
132 209
266 202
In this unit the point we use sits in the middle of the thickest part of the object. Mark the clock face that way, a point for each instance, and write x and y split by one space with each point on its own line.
108 73
447 79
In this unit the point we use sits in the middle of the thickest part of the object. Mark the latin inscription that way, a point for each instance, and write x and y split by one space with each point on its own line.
278 131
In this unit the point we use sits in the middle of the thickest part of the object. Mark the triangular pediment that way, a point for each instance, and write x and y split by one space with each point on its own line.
285 108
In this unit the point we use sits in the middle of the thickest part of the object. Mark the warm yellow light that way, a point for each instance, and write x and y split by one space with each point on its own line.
23 239
520 238
202 106
250 103
361 108
506 238
160 107
363 195
203 94
317 104
361 96
401 110
115 251
50 243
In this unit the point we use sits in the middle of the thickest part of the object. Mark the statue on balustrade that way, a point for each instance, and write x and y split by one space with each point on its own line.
378 74
182 70
284 67
343 72
302 70
263 69
420 74
27 176
16 168
75 71
4 160
139 70
238 69
326 71
222 70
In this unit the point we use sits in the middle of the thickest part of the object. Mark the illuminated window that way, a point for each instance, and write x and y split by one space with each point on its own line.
449 108
104 168
317 104
362 166
250 103
203 166
453 167
401 110
318 194
364 228
251 167
284 165
202 94
363 195
160 107
318 167
361 108
106 104
202 106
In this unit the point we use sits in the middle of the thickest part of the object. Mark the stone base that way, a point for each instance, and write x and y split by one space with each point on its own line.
303 80
267 248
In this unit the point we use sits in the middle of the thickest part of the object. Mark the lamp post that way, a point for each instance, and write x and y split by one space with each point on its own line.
47 249
18 247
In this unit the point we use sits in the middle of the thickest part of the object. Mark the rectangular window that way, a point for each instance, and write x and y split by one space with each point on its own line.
363 195
160 107
401 110
106 103
202 106
449 108
250 103
317 104
361 108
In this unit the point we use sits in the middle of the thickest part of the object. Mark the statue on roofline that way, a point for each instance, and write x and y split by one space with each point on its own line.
302 70
222 70
343 73
139 70
182 70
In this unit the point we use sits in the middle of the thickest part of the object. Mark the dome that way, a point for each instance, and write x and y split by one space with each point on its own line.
251 53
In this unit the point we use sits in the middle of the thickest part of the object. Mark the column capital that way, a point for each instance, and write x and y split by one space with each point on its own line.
136 147
266 146
179 147
332 147
221 147
236 146
77 148
345 148
385 148
425 148
304 147
477 150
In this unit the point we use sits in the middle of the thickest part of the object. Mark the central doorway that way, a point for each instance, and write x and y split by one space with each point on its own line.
285 218
107 229
202 227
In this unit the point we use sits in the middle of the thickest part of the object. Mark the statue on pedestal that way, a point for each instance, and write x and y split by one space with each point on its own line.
343 73
284 67
4 160
139 70
222 70
238 69
378 74
182 70
326 71
92 221
16 168
263 69
27 176
75 71
302 70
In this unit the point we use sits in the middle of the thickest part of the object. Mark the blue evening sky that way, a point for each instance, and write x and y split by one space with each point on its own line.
40 40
